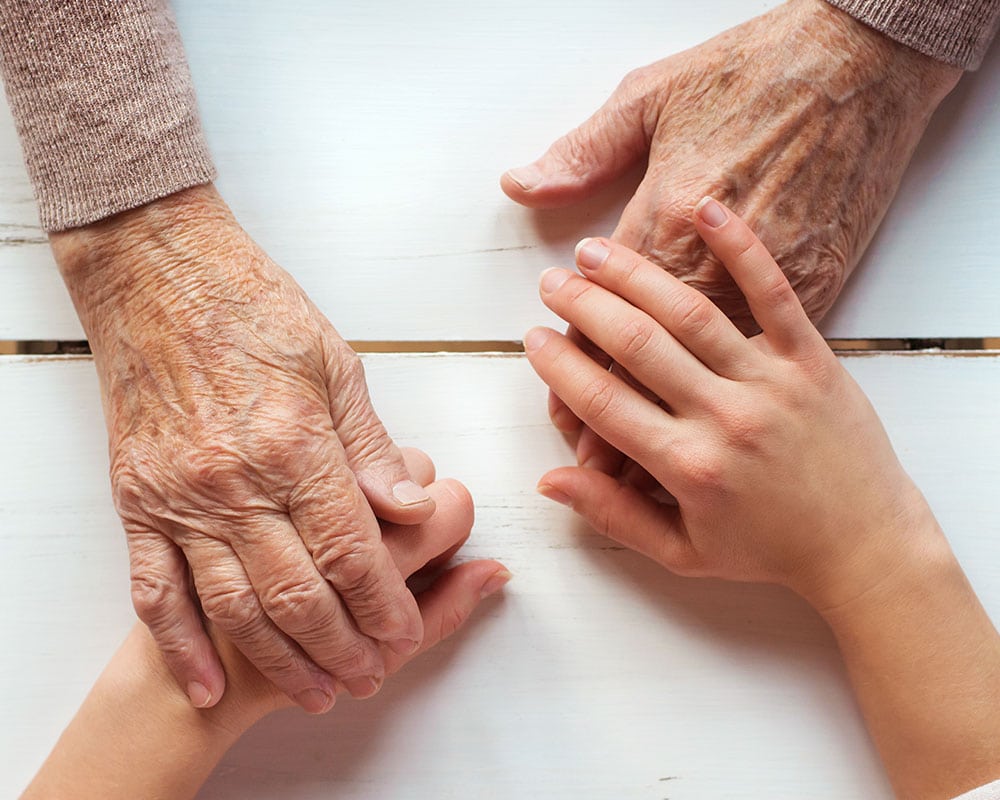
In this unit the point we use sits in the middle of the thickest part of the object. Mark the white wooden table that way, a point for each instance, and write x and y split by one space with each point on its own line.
361 146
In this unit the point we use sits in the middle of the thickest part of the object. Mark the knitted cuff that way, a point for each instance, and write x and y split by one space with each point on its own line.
105 110
957 32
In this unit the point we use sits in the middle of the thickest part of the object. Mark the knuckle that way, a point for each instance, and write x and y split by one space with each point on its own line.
596 398
704 471
235 609
637 337
818 284
692 314
348 562
151 596
297 604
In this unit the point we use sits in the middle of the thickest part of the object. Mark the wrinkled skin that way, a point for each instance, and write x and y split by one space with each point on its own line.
245 454
802 120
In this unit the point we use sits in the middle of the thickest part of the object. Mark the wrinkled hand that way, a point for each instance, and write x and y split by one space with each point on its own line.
802 120
777 467
244 453
444 605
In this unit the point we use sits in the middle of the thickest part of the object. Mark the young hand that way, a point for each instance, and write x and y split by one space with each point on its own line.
779 467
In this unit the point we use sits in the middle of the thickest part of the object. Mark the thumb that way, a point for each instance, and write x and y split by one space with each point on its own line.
591 156
394 493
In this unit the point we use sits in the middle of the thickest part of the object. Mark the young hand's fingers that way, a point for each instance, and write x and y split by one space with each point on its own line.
770 296
450 601
631 337
414 546
623 513
419 465
615 411
595 453
690 317
566 421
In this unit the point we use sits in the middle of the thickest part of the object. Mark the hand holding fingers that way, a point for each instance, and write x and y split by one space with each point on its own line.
453 595
342 535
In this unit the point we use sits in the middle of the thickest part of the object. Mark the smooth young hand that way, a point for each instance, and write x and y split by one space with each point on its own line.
779 466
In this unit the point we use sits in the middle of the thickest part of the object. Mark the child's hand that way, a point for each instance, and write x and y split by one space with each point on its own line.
779 465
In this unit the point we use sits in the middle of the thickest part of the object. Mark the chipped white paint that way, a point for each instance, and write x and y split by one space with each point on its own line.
597 675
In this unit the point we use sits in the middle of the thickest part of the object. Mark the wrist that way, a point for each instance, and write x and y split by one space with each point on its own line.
898 572
917 79
899 547
154 250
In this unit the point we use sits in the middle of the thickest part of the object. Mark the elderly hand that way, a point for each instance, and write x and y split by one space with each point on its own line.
445 604
245 454
803 120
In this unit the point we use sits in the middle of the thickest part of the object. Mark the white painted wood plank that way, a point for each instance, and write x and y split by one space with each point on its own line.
361 145
597 675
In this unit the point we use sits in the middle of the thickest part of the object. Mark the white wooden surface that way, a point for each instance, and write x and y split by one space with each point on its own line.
597 675
361 143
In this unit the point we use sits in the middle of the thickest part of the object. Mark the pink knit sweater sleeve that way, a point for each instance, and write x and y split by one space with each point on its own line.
103 102
957 32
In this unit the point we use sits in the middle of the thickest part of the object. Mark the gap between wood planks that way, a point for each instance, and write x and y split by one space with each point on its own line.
976 346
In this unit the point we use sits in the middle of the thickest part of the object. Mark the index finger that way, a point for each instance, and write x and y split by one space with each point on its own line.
770 296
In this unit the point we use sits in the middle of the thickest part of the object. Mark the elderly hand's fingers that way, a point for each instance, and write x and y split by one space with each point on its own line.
591 156
337 525
614 410
770 296
378 465
419 465
230 602
450 601
694 320
304 606
631 337
162 601
623 513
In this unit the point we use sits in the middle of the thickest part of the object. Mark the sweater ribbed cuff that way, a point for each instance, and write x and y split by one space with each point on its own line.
957 32
104 106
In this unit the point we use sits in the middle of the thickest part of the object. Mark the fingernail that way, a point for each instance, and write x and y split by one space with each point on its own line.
315 701
404 647
496 582
361 688
409 493
592 253
711 213
534 339
199 694
553 278
527 177
554 494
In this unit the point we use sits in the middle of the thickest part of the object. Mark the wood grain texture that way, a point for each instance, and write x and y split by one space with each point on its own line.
361 144
596 675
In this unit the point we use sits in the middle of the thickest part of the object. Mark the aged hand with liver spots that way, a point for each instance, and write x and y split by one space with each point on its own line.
244 453
802 120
